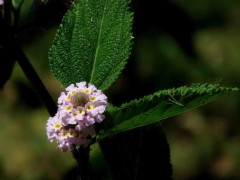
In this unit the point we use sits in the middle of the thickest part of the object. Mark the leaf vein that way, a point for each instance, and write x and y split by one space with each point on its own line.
98 41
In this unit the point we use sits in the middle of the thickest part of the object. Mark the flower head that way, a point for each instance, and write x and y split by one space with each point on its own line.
78 109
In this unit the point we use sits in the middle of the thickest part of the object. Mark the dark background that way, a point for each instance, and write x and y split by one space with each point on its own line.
176 42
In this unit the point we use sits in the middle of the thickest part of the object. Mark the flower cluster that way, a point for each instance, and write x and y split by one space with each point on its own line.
78 109
1 2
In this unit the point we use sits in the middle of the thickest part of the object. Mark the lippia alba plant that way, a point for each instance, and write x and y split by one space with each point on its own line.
89 52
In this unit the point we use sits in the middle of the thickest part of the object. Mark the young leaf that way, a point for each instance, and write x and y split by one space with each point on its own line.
159 106
92 43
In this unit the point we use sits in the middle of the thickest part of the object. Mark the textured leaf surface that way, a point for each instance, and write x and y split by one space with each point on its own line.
159 106
92 43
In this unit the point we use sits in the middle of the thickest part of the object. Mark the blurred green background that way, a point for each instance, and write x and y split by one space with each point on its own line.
177 42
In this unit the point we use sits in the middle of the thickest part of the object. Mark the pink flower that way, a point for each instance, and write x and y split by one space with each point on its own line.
62 98
1 2
80 113
54 126
91 108
81 85
78 109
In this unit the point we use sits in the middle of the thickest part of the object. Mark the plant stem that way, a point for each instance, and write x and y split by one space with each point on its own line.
82 154
36 82
84 162
82 157
7 13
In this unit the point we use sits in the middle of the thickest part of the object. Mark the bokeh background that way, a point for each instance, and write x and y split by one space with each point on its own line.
176 42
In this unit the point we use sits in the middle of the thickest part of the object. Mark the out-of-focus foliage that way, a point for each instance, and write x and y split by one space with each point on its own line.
207 140
17 3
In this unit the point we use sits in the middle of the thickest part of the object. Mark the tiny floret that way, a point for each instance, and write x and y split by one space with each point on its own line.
78 109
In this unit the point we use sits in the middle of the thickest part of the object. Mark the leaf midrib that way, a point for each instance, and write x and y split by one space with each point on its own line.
98 42
155 107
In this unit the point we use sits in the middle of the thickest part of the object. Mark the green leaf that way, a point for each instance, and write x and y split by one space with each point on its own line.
159 106
92 43
17 3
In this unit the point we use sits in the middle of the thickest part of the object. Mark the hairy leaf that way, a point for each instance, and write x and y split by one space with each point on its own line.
92 43
159 106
